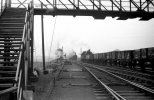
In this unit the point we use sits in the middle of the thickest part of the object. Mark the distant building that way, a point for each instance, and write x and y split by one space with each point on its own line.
86 54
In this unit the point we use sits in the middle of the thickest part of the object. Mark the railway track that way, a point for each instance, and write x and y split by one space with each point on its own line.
140 78
118 88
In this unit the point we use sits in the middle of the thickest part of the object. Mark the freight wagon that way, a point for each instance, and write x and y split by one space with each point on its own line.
139 59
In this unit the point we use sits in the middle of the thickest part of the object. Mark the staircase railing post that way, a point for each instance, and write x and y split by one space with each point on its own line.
32 34
26 56
29 70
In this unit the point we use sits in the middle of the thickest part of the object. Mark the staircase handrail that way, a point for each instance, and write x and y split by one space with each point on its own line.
8 90
19 85
22 56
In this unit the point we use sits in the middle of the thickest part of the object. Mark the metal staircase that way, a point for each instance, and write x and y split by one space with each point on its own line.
16 47
11 31
16 32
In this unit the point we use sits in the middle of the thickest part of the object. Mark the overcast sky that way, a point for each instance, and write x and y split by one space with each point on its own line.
83 33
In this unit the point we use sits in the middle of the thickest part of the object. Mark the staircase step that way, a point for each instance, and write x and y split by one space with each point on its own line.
10 50
16 9
3 18
3 24
14 13
7 80
12 20
9 53
2 72
15 57
14 16
10 45
11 30
8 68
7 73
11 34
10 23
11 42
17 39
8 62
6 85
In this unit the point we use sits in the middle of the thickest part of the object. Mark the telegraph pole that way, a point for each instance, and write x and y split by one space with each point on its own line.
43 51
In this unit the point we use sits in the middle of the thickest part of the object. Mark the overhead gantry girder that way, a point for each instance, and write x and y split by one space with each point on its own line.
95 13
99 9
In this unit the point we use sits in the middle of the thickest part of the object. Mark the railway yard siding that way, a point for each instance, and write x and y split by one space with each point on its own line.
73 84
82 81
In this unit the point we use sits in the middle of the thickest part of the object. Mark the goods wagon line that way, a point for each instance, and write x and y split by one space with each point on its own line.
122 88
138 59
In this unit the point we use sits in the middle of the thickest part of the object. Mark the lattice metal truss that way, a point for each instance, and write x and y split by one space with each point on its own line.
102 5
99 9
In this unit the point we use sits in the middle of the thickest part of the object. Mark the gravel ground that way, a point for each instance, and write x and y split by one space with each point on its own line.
44 85
74 87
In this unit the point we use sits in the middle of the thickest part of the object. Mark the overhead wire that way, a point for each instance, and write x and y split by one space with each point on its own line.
54 27
36 61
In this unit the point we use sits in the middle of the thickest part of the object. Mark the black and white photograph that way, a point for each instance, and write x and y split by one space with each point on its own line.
76 49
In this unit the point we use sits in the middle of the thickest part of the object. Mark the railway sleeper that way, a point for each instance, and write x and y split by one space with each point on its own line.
100 93
138 98
102 97
116 84
135 94
131 94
